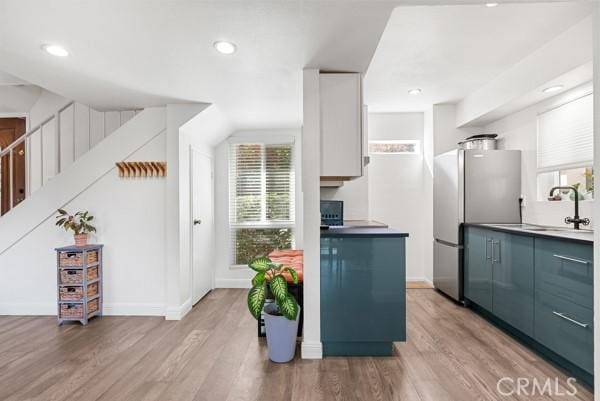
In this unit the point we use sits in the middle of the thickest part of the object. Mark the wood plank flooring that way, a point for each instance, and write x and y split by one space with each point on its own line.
214 354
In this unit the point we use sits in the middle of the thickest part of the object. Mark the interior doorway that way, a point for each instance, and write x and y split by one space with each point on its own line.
12 129
202 190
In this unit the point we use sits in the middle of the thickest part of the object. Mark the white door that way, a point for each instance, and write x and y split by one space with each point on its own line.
202 224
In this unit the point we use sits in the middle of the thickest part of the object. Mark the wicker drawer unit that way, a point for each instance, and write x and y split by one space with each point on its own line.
79 283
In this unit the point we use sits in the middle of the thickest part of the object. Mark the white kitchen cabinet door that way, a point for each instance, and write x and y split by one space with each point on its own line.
341 125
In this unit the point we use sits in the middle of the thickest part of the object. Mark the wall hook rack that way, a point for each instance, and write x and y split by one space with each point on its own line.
141 169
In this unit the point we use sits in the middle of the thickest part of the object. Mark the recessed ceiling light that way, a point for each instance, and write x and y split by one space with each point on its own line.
55 50
225 47
415 91
490 5
554 88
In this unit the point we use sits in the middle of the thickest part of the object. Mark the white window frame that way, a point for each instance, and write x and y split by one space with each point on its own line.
264 140
416 142
556 169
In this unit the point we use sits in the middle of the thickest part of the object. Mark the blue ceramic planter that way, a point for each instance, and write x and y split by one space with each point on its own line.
281 335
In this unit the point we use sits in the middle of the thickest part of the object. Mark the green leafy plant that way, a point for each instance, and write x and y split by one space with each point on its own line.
79 222
269 276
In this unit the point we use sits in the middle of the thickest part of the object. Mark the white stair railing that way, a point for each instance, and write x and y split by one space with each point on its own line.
50 147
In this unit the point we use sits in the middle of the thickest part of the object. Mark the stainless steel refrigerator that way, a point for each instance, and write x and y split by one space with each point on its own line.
470 186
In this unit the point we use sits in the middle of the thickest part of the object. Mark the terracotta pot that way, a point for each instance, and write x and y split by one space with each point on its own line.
81 239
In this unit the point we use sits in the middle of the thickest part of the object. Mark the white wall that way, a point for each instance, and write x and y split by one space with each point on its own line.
355 194
130 219
47 105
445 134
398 190
201 132
227 276
178 265
518 131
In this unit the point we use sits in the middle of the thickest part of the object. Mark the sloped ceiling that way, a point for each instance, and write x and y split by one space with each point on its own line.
448 52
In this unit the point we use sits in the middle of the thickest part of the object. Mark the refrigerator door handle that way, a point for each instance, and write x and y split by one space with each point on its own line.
488 241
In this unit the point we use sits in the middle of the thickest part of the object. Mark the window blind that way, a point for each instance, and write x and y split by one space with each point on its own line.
261 199
566 136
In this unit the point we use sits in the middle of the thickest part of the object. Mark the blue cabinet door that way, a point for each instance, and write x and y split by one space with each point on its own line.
478 267
512 277
363 284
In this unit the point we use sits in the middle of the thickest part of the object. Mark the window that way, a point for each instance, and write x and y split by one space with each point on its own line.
565 148
262 199
394 147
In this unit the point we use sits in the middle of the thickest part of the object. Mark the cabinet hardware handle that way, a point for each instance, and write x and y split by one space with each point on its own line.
583 262
494 251
488 241
584 325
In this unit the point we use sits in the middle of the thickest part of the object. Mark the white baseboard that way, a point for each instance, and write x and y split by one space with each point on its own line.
232 283
133 309
109 309
28 308
178 312
312 350
417 279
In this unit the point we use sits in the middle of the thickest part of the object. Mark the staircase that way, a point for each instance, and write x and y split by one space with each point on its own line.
51 147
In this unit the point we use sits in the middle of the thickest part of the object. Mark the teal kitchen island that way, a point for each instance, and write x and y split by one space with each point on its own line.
363 291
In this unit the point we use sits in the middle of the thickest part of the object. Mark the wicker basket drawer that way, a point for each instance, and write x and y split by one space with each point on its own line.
75 311
93 306
76 293
70 259
75 276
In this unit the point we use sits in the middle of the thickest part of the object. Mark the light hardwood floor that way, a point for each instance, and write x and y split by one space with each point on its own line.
214 354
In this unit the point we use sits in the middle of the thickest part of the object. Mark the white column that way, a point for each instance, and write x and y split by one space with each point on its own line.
311 140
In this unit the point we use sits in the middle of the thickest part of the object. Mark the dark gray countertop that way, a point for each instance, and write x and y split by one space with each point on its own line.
364 224
361 232
581 236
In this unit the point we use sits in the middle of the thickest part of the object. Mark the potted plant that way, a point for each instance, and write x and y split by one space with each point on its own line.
79 223
281 316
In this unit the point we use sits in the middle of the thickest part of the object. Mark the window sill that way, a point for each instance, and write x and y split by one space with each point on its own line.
239 267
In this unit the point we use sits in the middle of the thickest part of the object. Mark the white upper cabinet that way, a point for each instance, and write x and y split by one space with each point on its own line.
341 125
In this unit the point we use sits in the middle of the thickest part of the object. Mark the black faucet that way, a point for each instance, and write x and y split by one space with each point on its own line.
576 220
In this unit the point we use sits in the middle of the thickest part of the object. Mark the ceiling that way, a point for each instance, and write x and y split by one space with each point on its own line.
137 53
450 51
140 53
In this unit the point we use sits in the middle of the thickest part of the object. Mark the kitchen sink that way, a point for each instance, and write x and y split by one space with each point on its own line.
533 228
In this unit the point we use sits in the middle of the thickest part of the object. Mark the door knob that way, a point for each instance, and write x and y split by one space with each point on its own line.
197 221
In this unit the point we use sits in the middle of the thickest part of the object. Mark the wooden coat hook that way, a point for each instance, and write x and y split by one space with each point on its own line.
141 169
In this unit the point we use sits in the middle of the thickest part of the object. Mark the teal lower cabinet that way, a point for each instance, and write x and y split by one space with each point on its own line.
512 280
478 267
540 289
499 275
363 305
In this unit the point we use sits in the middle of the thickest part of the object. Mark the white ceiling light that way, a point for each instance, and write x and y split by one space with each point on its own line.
55 50
490 5
225 47
415 91
554 88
